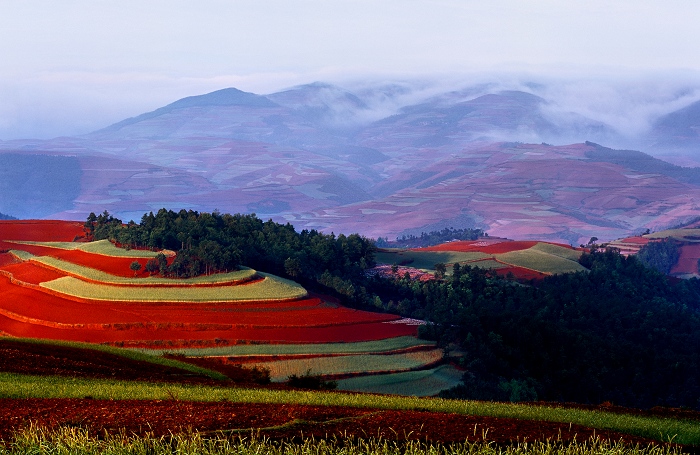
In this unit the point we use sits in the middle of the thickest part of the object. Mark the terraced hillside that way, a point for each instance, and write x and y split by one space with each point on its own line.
54 288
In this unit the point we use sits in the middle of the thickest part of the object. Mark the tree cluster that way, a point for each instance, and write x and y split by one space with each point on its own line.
211 242
620 332
430 238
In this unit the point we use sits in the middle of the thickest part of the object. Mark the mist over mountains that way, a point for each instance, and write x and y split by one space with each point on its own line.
382 160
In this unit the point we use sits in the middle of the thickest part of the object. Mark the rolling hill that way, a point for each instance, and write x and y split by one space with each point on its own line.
374 161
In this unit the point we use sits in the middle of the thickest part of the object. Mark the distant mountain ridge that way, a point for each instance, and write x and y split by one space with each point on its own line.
380 161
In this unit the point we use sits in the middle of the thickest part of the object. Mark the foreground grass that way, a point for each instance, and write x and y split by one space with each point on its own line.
661 429
79 441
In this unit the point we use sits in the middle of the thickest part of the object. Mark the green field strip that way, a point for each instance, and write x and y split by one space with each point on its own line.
540 261
242 350
422 383
90 274
557 250
280 370
685 235
426 260
101 247
270 288
661 429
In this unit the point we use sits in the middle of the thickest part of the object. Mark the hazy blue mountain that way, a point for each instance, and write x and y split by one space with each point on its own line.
380 159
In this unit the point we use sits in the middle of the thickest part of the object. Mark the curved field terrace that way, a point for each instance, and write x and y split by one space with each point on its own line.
54 288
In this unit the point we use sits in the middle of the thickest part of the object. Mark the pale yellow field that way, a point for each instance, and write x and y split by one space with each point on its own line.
271 288
101 247
345 364
89 273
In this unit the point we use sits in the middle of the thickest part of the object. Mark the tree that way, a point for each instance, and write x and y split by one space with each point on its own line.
135 267
440 270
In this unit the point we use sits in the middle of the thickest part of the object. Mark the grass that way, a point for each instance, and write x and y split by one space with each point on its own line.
126 353
71 440
241 350
270 288
541 261
88 273
412 383
556 250
101 247
662 429
346 364
426 260
678 234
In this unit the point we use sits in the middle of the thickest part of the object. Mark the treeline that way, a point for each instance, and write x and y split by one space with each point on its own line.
620 333
430 238
214 242
6 217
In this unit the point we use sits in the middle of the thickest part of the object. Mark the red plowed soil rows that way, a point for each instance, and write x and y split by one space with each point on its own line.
162 418
688 261
521 273
31 273
7 259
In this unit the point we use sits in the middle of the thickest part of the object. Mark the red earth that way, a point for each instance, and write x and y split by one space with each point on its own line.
688 260
28 310
165 417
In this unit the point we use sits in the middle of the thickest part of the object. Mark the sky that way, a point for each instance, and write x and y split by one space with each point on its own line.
73 66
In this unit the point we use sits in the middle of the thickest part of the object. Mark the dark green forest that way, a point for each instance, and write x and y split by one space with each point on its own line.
430 238
622 332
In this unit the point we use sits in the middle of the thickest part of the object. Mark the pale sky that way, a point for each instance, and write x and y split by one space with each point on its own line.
73 66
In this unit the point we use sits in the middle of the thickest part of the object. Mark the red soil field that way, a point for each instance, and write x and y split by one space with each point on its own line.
31 273
7 259
521 273
474 246
172 336
688 261
27 310
40 230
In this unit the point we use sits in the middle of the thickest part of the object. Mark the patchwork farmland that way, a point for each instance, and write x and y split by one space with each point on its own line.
524 260
56 288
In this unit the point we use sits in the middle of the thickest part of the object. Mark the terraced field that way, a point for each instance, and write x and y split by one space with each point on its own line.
55 288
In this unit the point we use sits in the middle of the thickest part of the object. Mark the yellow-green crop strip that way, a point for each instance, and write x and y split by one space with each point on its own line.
242 350
270 288
88 273
351 364
413 383
541 261
101 247
663 429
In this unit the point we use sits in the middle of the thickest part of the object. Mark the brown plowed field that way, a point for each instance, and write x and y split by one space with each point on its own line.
162 418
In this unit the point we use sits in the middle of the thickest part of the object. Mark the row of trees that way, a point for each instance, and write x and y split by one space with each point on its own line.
430 238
